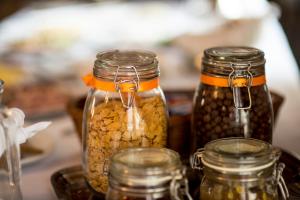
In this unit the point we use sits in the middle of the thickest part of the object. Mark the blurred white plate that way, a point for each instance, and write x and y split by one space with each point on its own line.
43 142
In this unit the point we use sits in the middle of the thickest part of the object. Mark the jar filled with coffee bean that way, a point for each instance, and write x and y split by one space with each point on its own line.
232 99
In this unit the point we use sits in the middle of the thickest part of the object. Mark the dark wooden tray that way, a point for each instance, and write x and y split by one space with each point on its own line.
69 183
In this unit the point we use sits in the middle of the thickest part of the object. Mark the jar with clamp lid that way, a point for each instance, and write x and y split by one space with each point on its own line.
232 99
240 168
125 107
147 174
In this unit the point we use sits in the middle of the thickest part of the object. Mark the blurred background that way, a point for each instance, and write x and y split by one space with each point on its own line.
54 43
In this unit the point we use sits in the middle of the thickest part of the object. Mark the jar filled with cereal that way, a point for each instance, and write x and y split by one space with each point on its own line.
232 99
125 107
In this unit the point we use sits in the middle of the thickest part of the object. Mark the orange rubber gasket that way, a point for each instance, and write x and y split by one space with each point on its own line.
237 82
93 82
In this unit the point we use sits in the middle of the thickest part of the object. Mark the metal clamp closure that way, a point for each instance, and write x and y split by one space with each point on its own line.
195 160
280 181
179 185
133 87
235 85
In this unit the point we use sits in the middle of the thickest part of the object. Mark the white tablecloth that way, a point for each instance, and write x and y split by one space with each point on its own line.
282 75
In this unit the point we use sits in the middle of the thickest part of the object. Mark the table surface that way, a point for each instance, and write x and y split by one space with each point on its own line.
282 77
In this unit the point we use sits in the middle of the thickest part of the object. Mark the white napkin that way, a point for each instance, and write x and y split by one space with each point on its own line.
15 121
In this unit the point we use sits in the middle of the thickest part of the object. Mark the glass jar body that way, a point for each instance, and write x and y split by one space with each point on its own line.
116 194
238 187
215 116
109 126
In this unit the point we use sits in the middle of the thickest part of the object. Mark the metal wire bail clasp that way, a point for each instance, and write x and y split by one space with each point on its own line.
179 185
280 181
195 159
131 86
235 85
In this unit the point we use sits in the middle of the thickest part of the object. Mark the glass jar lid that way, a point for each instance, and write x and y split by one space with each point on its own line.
144 166
124 65
239 155
223 60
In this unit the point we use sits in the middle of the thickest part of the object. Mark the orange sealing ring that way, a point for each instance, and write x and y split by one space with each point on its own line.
237 82
93 82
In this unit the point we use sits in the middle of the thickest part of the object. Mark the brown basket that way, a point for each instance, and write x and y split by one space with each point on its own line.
180 105
75 109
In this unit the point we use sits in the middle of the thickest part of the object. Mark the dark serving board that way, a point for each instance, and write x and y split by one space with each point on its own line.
69 183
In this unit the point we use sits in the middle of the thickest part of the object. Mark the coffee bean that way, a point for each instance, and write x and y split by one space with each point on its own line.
220 103
228 102
218 119
213 105
206 118
214 113
218 129
229 95
207 109
208 126
225 120
221 95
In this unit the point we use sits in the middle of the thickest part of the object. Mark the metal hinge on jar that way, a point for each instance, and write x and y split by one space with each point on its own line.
132 87
195 160
235 85
280 181
179 185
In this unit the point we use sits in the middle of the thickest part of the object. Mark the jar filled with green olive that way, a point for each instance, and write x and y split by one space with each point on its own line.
232 99
240 168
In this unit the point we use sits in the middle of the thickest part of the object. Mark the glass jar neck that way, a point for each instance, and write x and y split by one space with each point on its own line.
122 86
254 176
226 70
159 190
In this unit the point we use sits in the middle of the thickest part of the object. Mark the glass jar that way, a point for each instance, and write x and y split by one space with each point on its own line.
125 107
240 168
147 174
232 99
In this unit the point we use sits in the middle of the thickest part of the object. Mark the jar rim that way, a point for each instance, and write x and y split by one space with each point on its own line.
126 65
144 166
224 59
239 155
